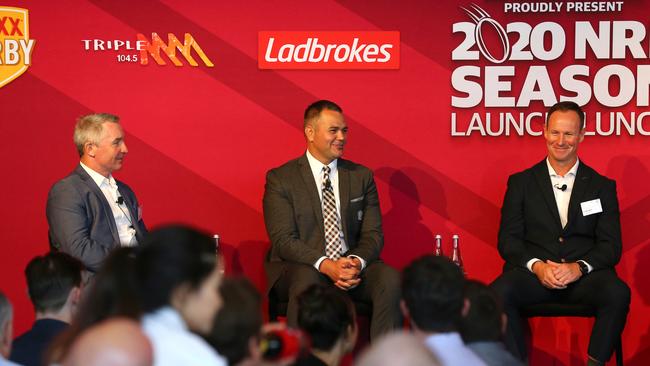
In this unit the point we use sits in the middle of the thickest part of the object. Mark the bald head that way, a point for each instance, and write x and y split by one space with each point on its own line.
412 352
113 342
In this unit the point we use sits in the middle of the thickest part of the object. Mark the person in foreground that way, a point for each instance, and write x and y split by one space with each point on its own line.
483 327
6 330
323 219
54 284
89 212
560 237
432 299
328 317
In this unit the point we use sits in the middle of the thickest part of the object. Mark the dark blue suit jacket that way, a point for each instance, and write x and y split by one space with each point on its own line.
29 348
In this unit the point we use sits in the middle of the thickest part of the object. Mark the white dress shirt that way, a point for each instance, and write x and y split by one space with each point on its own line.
174 344
317 171
123 219
562 198
451 351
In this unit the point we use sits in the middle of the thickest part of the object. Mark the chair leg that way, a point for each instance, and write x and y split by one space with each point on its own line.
619 352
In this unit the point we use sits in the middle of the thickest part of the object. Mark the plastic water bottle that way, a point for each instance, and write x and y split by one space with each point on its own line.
455 255
438 249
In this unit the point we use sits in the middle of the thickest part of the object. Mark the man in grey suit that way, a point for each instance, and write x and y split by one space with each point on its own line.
560 237
89 212
323 218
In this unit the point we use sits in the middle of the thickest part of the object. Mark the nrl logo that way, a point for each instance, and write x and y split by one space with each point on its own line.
15 46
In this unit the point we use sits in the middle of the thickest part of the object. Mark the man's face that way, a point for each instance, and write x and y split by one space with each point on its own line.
326 136
563 134
108 154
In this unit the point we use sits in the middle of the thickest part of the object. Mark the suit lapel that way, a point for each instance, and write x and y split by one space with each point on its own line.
312 190
546 187
344 194
90 183
583 177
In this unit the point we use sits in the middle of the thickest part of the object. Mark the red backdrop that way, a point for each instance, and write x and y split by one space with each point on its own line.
201 138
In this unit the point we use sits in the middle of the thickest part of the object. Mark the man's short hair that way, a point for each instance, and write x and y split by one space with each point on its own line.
483 320
432 288
566 106
50 278
325 313
313 110
238 321
89 129
6 313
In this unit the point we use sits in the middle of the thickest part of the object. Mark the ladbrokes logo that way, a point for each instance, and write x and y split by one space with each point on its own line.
138 51
15 46
328 50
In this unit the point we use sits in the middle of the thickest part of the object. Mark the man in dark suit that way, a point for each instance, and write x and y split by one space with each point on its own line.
560 237
323 218
89 212
54 285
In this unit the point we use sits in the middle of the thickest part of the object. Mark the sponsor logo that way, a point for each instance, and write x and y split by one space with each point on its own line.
139 50
15 46
328 50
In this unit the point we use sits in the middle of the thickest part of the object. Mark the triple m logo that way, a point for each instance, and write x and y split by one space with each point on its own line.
140 50
15 46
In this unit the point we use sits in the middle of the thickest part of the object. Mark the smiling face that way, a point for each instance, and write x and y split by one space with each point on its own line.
326 136
563 134
106 155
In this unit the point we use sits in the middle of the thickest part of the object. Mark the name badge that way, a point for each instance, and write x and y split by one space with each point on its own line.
591 207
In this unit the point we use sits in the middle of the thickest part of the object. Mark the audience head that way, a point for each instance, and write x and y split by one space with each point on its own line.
327 315
432 294
398 349
177 266
6 326
111 293
54 283
113 342
236 331
485 320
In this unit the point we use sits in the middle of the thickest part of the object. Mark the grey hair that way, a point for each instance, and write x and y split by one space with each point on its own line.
89 129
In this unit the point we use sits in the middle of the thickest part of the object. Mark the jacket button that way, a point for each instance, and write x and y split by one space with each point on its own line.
561 239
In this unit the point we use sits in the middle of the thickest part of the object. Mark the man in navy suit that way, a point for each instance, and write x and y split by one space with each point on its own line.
323 218
560 237
89 212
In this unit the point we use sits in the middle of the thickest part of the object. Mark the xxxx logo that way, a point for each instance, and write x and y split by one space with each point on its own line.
15 46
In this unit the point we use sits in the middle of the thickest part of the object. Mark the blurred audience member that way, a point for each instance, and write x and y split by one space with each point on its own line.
113 342
54 282
432 291
327 315
6 330
483 327
236 331
111 294
398 349
178 278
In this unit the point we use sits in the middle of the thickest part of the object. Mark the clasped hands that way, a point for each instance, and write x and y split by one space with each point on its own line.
556 275
344 272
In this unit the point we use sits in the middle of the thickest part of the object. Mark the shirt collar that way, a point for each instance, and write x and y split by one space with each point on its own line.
573 170
98 178
316 166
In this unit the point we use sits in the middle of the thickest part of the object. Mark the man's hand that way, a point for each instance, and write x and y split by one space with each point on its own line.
566 273
546 275
344 272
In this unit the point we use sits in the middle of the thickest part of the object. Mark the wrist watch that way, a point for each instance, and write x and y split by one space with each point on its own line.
583 267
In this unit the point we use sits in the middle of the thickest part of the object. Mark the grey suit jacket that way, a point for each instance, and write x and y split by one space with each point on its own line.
294 217
81 221
531 228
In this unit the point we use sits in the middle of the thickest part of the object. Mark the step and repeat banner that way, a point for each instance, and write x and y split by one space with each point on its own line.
444 101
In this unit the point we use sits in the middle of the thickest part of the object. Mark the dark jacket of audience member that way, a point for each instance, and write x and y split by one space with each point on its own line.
483 326
54 283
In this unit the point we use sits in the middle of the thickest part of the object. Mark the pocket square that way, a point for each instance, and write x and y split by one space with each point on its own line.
357 199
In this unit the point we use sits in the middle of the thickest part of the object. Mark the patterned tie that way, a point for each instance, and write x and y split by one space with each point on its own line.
332 229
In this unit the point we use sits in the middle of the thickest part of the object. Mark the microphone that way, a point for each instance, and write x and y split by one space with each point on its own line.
120 200
557 186
328 185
